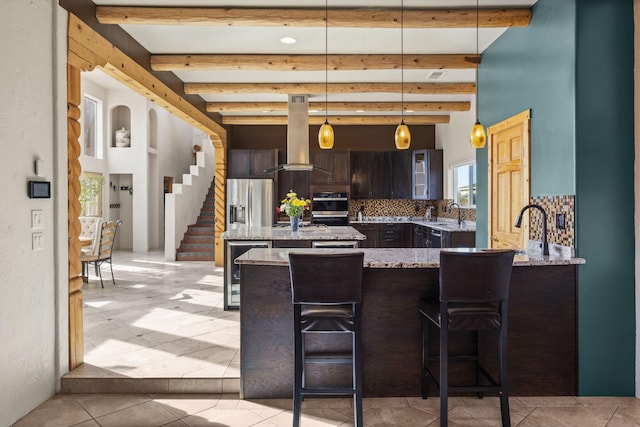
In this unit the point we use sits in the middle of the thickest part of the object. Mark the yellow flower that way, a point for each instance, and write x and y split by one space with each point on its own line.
292 205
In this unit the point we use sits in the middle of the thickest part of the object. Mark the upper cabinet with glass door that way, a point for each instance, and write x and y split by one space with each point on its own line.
427 174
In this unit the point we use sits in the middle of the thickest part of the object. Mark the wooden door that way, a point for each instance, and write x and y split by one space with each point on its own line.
508 181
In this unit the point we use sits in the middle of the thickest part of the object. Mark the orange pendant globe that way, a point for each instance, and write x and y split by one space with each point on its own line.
326 136
478 136
402 137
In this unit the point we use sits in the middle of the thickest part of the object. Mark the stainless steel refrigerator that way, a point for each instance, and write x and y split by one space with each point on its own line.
249 203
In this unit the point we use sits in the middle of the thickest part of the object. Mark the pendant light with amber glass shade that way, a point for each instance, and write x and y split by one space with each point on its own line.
403 136
325 135
478 136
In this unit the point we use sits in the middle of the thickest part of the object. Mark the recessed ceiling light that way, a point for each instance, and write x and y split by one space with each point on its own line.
313 111
287 40
359 111
408 111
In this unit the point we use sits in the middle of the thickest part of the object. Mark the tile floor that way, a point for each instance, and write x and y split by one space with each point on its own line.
160 320
164 321
142 410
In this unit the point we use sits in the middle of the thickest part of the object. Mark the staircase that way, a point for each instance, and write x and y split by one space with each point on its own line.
198 241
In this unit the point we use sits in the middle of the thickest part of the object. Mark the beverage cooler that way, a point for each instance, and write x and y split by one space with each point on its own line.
232 278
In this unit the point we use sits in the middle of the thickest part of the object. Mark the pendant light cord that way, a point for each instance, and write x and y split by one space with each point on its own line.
477 59
402 60
326 61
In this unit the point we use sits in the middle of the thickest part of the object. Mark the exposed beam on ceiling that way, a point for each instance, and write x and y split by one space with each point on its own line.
241 107
319 88
314 17
311 62
338 120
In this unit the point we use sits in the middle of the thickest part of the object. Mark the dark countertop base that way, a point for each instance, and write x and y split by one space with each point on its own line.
542 339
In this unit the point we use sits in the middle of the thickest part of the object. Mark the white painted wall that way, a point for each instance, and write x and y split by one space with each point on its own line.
143 165
453 138
183 205
33 126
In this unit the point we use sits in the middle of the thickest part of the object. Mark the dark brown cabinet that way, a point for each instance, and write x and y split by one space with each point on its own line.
400 174
427 170
420 236
360 175
458 239
369 230
385 235
335 161
381 174
251 163
394 235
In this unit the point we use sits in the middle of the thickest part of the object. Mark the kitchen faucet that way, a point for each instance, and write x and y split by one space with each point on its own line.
459 217
545 245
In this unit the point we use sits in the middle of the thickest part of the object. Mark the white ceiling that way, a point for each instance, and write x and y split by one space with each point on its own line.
176 39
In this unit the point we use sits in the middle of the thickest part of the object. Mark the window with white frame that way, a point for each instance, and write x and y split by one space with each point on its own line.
91 127
91 194
464 185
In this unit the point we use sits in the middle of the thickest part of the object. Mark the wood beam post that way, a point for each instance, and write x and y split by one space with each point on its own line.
76 338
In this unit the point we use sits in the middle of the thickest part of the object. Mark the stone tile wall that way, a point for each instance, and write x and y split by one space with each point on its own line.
553 205
395 207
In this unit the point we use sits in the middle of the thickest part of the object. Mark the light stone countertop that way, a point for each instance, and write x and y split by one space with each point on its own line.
285 233
402 257
443 224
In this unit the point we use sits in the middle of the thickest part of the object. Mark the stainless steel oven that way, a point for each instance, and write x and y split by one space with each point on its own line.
330 208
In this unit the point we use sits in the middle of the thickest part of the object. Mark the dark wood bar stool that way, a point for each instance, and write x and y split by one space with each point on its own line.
326 295
474 295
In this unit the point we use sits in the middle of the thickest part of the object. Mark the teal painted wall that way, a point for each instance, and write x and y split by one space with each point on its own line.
573 66
533 68
605 196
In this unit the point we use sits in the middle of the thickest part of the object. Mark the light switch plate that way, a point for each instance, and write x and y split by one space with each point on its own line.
37 219
37 241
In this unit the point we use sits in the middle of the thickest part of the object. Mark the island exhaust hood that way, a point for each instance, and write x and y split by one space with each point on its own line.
297 137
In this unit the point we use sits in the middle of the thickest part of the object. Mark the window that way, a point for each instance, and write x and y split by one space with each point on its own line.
91 194
464 185
91 127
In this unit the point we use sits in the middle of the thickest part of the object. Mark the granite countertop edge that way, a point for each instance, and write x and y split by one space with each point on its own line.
402 258
284 233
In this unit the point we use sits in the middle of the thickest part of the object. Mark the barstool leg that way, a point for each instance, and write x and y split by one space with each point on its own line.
298 373
357 367
479 362
444 377
425 356
504 393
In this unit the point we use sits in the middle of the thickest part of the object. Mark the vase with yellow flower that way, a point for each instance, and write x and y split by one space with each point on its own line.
294 207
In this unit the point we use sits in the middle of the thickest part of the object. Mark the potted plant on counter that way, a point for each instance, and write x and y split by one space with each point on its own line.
294 207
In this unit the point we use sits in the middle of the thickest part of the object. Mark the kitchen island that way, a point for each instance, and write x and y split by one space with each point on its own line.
542 353
240 239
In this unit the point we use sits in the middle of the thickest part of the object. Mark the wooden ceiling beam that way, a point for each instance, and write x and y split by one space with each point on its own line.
314 17
244 107
225 62
319 88
338 120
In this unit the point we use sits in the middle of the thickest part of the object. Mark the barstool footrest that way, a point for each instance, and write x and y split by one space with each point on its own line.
327 391
328 358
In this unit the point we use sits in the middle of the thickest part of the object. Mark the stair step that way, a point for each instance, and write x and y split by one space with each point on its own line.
196 247
174 385
198 242
191 256
197 238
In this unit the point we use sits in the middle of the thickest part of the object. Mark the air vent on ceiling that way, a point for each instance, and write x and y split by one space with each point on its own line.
435 75
298 99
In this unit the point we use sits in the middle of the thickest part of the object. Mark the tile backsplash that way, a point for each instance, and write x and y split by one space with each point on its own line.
403 207
553 205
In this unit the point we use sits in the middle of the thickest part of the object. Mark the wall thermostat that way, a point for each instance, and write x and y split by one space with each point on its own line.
39 190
